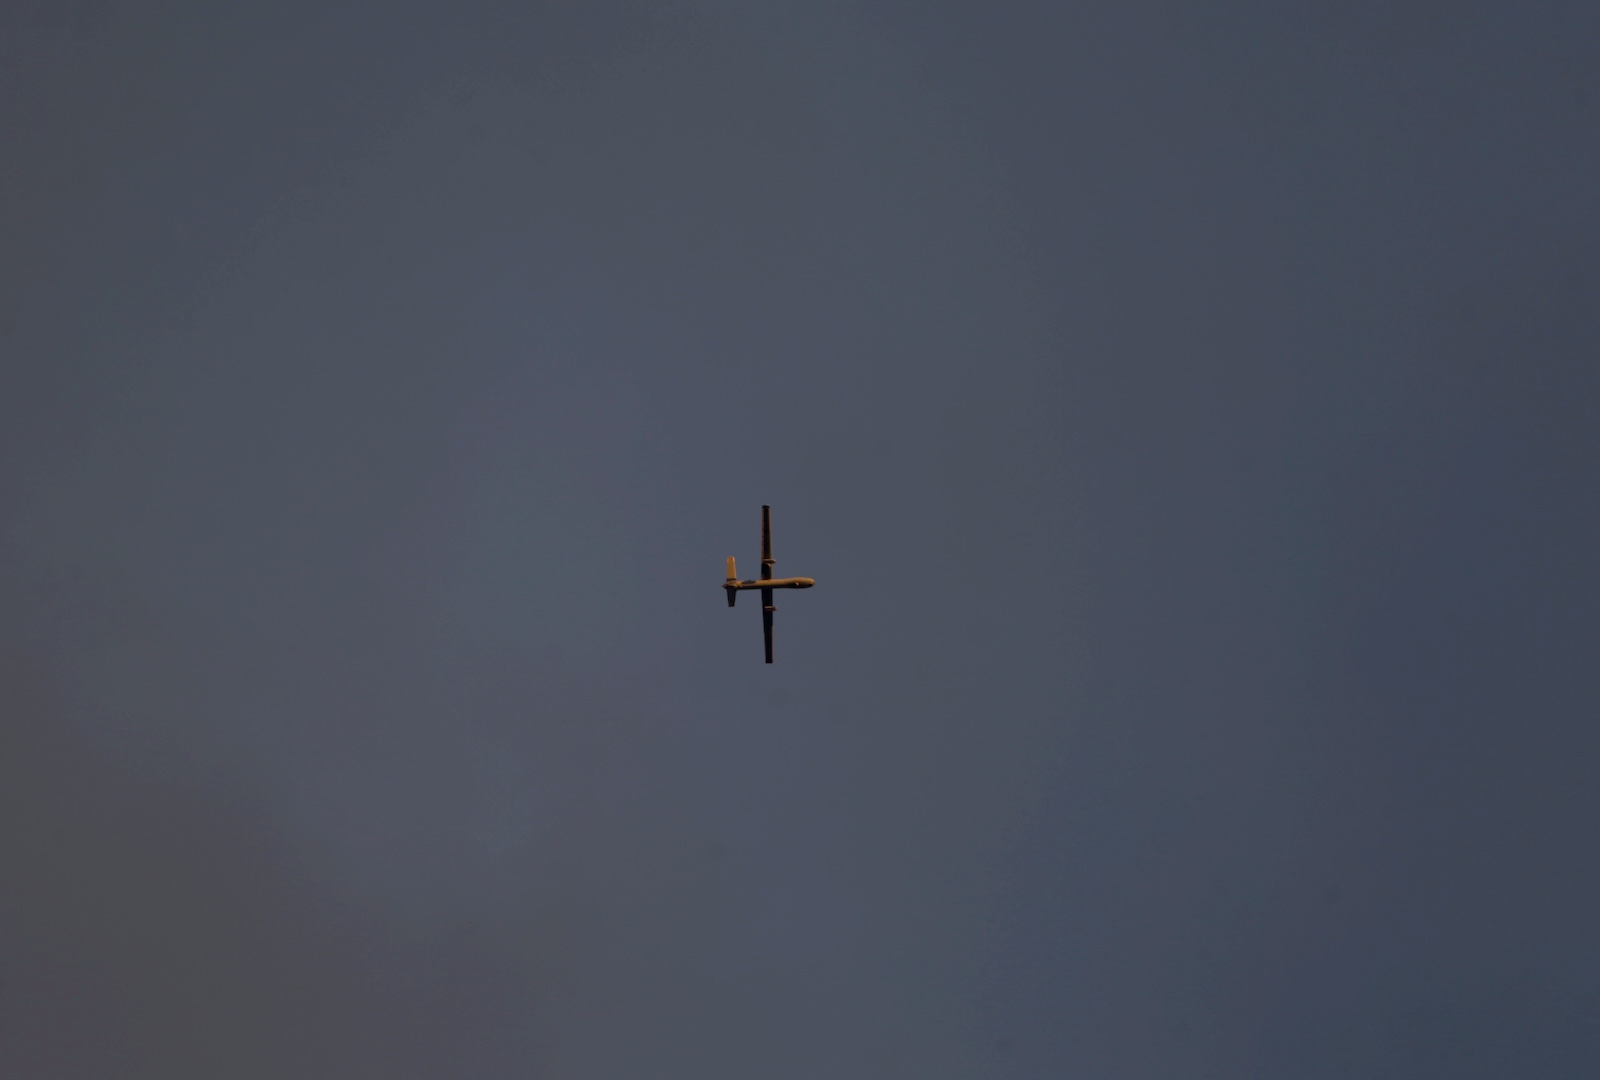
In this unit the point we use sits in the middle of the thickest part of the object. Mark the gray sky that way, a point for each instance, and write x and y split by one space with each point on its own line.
1190 419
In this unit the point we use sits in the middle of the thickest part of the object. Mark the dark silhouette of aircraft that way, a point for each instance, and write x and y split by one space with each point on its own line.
766 582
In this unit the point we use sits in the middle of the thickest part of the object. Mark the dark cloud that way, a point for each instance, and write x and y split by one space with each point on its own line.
1188 419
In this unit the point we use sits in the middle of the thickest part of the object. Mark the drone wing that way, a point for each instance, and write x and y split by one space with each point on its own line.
766 541
766 571
766 620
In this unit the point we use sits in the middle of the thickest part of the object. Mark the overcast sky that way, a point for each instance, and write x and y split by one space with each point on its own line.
1190 414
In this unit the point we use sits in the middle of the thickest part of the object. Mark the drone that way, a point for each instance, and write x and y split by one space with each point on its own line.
766 582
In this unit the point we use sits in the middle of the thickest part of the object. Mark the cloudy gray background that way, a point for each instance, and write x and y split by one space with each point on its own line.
1190 418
